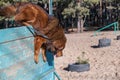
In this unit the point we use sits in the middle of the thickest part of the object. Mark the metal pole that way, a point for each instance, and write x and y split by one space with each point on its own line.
50 7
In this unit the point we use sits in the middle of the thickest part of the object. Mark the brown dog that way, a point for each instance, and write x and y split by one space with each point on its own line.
31 14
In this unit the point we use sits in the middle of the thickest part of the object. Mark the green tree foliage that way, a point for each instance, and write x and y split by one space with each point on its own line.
6 2
80 9
72 8
110 1
70 11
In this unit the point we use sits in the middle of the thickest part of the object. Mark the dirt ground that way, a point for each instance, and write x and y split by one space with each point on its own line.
104 62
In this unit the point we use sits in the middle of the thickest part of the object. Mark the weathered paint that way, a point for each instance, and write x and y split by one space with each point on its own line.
17 57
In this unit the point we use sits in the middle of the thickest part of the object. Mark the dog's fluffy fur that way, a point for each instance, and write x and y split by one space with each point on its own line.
31 14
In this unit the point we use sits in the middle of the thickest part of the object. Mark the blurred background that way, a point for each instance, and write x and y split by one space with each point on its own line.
73 15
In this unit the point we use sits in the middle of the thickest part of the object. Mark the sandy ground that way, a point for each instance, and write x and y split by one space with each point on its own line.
104 62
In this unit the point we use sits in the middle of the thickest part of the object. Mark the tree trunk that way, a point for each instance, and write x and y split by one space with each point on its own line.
101 11
80 25
6 23
72 25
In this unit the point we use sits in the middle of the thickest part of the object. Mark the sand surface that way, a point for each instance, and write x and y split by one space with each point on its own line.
104 62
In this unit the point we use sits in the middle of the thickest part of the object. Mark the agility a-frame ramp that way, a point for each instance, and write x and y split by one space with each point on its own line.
17 57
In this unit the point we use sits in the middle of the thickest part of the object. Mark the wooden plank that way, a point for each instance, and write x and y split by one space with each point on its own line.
26 69
15 34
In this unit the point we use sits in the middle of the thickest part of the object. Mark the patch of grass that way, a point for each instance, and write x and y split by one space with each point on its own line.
82 60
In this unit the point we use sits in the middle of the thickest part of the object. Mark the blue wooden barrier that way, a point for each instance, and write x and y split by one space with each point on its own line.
17 57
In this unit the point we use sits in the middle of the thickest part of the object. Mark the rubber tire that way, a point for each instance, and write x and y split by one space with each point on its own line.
78 67
104 42
118 37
